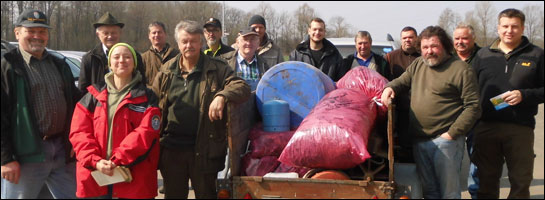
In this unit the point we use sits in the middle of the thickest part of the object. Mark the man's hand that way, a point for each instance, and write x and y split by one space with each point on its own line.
215 112
387 95
106 167
446 136
11 172
512 97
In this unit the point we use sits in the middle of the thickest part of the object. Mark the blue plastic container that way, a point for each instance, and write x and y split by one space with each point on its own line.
276 116
298 83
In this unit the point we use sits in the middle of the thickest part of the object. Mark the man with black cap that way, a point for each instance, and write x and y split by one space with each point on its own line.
244 61
267 49
212 33
38 99
94 64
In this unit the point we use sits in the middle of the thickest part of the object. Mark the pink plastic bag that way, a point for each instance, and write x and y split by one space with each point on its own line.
267 143
370 82
335 133
259 166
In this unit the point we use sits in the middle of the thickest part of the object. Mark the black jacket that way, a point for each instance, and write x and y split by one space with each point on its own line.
94 65
521 69
331 59
382 66
17 110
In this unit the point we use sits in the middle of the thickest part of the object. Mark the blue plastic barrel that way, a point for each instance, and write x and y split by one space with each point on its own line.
300 84
276 116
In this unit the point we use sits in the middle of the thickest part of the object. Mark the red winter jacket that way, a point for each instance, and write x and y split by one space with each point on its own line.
136 126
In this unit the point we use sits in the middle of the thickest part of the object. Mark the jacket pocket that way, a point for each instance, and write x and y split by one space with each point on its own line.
523 74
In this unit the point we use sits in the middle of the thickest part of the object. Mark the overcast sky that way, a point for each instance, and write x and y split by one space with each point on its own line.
382 17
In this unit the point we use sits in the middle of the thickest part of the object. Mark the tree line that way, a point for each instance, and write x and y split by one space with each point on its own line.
72 21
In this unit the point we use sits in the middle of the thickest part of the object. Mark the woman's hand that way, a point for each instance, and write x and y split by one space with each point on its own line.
106 167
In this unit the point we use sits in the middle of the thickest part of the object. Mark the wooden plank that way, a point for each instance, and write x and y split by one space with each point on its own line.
309 188
241 119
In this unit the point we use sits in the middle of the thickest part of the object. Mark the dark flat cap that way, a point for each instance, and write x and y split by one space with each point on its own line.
247 31
108 19
32 18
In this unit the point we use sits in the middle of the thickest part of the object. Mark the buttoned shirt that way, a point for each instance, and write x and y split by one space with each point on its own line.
248 71
47 99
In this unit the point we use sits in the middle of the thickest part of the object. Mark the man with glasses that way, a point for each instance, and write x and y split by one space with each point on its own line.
212 33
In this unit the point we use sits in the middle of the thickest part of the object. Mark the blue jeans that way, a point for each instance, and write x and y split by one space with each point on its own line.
59 177
472 179
439 165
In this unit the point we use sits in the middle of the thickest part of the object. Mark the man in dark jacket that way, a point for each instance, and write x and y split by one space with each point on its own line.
94 64
159 53
267 49
511 68
318 51
38 99
365 57
466 50
212 33
193 91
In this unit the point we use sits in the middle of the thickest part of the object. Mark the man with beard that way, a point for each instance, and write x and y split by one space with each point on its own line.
444 107
94 64
212 33
318 51
466 49
399 60
38 99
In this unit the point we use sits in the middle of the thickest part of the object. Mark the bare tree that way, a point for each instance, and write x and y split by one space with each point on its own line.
485 14
338 27
448 20
532 27
303 15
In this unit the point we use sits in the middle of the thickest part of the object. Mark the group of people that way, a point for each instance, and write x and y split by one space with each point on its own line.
166 108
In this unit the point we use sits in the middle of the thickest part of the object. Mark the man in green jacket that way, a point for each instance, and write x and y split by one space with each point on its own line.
444 107
193 90
38 99
159 53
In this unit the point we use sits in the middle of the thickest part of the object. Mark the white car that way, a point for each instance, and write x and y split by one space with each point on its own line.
347 46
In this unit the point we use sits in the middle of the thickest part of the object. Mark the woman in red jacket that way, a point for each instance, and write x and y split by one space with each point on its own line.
117 125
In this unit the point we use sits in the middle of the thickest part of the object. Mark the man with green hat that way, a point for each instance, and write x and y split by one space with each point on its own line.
94 64
38 99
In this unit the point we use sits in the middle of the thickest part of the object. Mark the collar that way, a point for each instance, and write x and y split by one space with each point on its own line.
27 56
210 49
366 60
165 49
241 60
105 50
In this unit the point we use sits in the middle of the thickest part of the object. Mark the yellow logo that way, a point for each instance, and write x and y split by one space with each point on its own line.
526 64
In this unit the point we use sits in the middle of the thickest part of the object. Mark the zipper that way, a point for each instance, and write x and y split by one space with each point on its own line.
506 66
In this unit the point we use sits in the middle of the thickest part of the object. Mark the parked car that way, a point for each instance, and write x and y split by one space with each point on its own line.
347 46
73 60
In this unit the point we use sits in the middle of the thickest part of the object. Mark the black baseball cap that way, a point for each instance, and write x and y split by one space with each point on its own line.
212 22
32 18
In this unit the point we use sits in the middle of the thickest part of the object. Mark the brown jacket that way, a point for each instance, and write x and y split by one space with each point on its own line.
218 79
153 61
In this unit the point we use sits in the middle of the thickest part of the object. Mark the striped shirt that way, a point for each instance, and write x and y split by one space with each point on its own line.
47 99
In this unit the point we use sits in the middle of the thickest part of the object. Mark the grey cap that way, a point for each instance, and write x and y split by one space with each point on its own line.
32 18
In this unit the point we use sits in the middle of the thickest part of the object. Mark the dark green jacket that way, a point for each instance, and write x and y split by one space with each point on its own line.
218 79
20 135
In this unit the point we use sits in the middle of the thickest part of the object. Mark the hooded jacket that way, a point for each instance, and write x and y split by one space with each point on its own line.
331 60
135 130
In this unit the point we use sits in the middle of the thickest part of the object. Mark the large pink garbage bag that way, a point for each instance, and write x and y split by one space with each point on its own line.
335 134
370 82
